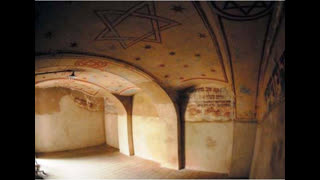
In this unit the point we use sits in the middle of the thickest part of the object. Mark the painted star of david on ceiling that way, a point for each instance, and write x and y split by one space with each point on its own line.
242 10
246 9
128 41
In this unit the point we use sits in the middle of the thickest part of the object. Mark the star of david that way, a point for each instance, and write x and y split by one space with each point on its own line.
126 41
244 9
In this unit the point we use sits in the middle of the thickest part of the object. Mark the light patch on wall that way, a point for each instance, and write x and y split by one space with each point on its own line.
41 105
71 127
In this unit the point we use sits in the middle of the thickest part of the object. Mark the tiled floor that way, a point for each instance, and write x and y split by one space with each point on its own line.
103 162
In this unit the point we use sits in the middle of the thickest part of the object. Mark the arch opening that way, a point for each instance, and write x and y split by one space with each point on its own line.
126 89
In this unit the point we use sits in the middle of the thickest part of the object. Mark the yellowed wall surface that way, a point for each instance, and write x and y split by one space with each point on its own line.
111 124
269 155
208 146
149 132
66 120
208 112
269 158
243 146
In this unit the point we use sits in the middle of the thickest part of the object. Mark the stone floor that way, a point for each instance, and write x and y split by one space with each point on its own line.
102 162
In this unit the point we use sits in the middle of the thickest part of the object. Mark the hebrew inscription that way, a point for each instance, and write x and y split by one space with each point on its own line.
209 104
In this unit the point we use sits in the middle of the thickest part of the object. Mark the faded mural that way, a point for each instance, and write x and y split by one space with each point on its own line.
275 90
209 104
87 102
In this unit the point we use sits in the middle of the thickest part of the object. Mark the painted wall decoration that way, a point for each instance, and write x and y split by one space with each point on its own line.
167 33
248 34
209 104
152 34
275 90
209 28
66 83
91 63
87 102
242 10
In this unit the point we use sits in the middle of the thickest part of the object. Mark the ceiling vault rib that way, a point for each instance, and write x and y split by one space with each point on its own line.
127 64
53 79
207 25
273 21
230 61
51 72
260 64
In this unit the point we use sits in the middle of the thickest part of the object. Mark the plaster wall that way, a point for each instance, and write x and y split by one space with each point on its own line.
269 154
125 126
62 121
269 158
149 132
208 112
111 124
244 135
116 109
159 99
208 146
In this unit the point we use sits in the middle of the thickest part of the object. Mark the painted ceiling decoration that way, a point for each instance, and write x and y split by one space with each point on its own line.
179 44
245 54
152 34
177 8
242 10
91 83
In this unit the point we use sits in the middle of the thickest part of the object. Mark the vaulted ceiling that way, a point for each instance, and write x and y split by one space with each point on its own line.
180 44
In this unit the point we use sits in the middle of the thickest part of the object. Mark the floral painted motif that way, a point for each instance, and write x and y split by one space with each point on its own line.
91 63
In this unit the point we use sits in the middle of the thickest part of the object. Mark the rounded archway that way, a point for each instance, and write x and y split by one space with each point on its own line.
106 77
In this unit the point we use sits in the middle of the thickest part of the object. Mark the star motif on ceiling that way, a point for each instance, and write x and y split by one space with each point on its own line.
127 41
239 10
245 9
177 8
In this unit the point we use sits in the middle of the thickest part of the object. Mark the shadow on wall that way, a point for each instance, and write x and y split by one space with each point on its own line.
269 157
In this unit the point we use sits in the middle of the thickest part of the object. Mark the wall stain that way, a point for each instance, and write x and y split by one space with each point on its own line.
210 143
245 90
276 154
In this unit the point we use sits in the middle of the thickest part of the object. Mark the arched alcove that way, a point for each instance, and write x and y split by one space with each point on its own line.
102 77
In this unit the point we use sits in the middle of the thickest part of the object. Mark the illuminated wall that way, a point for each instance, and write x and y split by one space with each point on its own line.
66 120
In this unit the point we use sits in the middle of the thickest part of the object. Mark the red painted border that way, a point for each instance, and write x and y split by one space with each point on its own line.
212 79
41 81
